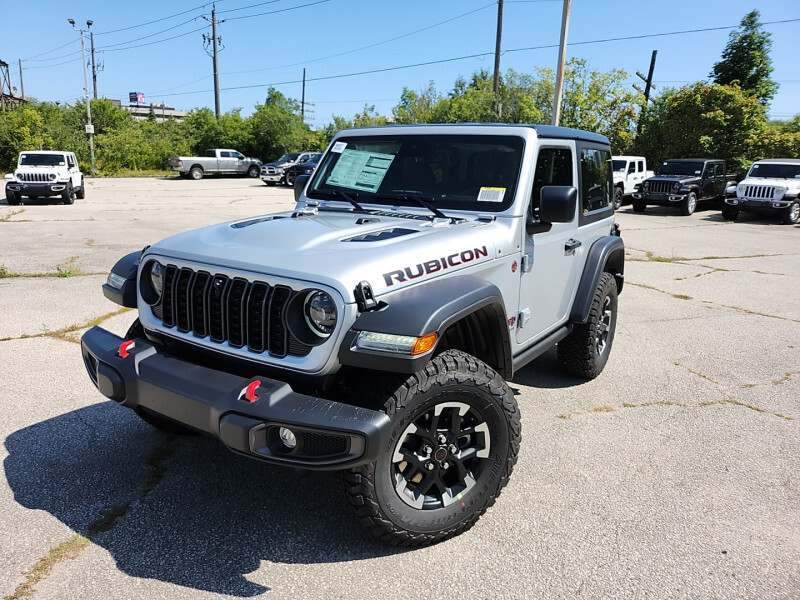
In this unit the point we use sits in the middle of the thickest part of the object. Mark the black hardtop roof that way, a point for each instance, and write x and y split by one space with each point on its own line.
694 160
544 131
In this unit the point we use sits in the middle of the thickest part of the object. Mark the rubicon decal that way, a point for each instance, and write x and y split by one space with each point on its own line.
433 266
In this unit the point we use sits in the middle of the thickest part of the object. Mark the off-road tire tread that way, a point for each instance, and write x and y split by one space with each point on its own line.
576 352
357 483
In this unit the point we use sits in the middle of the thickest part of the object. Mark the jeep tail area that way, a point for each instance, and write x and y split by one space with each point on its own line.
372 329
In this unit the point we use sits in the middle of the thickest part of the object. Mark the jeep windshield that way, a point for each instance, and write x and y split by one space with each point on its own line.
456 172
681 168
41 160
775 171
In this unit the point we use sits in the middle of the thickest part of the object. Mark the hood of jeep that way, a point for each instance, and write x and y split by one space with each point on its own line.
339 249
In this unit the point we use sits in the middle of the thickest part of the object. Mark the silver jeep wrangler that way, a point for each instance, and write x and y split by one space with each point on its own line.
372 330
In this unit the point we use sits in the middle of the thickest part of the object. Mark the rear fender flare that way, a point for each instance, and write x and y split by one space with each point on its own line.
607 254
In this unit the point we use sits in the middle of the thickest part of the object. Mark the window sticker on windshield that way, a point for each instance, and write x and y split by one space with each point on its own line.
491 194
360 170
338 147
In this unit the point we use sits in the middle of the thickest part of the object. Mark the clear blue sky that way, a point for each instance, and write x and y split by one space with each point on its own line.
359 52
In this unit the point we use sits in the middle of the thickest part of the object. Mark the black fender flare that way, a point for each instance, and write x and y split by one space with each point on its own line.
607 254
423 309
126 267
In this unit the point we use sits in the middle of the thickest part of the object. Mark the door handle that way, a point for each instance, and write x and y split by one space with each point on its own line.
572 244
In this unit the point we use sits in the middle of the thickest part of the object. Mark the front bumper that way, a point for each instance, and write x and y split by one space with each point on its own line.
37 189
761 204
659 199
330 435
271 177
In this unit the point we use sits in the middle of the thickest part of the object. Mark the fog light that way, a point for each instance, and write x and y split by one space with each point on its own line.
287 437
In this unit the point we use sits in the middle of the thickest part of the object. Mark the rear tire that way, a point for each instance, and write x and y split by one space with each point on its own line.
791 214
196 173
80 193
454 439
584 352
253 171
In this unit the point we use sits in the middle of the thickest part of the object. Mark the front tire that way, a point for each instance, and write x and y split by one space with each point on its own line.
618 197
584 352
639 206
290 180
730 213
688 204
68 195
453 444
791 214
13 198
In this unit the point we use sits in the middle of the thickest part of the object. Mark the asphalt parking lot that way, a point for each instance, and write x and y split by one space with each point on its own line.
675 474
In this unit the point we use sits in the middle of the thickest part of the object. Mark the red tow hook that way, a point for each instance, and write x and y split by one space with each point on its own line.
124 347
248 394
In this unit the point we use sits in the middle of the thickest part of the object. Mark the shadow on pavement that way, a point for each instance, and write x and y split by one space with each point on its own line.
546 372
211 519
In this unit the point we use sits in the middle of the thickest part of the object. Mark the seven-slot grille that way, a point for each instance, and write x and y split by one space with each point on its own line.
224 309
759 192
37 177
660 187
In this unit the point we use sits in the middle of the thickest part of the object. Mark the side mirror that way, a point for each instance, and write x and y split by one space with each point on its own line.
557 204
299 186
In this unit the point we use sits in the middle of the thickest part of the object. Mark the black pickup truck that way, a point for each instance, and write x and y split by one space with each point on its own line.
683 182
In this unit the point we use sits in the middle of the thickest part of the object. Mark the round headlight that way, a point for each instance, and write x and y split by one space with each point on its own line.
320 313
646 185
157 277
676 186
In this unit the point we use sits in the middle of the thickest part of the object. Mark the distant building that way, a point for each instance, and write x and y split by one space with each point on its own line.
161 112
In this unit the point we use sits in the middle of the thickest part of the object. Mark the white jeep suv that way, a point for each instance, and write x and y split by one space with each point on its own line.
45 173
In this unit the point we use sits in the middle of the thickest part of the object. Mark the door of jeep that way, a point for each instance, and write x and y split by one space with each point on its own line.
553 260
548 274
74 171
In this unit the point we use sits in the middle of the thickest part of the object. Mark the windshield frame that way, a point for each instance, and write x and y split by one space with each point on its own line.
688 168
461 180
52 160
771 167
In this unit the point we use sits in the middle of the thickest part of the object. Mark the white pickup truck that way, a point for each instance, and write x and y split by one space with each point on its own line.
216 160
628 171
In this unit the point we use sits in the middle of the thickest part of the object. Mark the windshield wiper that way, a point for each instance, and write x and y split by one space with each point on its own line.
347 197
404 195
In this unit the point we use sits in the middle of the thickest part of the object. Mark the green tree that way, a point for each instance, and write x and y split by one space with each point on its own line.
369 117
746 61
277 127
708 120
22 128
416 107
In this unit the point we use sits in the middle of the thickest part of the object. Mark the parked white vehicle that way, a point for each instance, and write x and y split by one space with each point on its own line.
628 171
771 186
45 173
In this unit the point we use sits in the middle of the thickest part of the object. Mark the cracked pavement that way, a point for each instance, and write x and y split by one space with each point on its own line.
672 475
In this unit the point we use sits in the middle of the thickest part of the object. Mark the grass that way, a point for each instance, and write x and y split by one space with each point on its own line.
44 566
7 217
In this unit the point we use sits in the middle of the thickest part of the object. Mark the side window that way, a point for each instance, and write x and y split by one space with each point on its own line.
553 167
225 154
640 166
631 168
70 161
718 170
595 179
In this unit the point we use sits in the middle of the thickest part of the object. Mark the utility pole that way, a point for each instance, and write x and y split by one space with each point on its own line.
213 40
562 51
647 80
89 126
497 46
94 68
303 99
21 85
